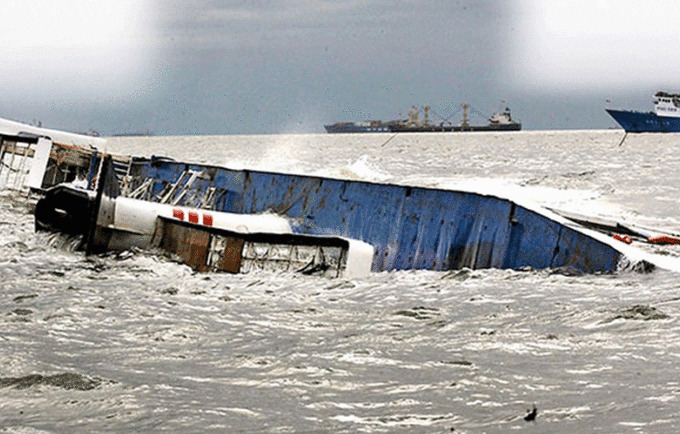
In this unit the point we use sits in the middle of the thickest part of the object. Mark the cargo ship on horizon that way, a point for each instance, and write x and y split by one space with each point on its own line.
664 119
499 121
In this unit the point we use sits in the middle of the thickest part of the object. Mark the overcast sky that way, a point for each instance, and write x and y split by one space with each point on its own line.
283 66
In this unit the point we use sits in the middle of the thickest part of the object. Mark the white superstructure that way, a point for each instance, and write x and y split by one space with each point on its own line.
67 138
667 104
501 118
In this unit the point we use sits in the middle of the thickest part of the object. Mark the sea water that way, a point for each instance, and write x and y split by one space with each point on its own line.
135 342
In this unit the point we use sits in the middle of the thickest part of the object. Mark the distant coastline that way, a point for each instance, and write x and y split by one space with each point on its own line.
133 134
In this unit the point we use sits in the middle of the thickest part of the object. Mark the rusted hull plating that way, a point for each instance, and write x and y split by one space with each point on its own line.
211 249
205 240
409 227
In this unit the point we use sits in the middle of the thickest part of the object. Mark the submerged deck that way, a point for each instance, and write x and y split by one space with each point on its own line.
409 227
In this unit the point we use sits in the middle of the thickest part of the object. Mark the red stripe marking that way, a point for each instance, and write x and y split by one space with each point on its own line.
207 219
193 217
664 239
623 238
178 213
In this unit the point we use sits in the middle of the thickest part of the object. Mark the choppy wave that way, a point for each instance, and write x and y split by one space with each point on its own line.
134 341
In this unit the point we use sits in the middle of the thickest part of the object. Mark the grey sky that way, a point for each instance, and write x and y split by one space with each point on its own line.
236 67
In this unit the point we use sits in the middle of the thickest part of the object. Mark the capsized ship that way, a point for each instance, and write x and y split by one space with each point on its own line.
499 121
215 218
664 119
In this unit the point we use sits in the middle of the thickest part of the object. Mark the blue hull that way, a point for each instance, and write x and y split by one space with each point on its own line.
409 227
639 122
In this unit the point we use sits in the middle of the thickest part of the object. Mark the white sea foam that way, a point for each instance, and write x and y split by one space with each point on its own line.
176 350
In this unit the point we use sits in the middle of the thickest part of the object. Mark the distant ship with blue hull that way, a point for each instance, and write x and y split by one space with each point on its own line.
499 121
664 119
